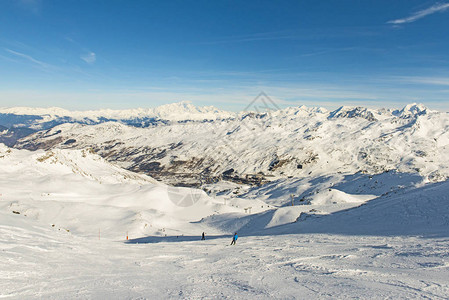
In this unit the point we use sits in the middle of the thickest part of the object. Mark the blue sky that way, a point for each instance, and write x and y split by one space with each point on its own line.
90 54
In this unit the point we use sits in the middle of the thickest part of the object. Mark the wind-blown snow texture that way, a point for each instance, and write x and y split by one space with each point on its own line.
369 187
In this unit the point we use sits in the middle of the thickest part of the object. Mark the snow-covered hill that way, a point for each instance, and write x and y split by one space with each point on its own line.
78 191
421 211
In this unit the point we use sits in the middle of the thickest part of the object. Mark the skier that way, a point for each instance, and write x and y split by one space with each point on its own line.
203 237
234 238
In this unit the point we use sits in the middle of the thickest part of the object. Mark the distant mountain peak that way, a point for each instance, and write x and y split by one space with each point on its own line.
353 112
413 109
185 110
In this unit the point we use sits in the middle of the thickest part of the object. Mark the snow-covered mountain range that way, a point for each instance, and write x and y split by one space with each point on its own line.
45 118
253 148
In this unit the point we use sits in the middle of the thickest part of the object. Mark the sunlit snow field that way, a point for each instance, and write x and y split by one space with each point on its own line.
41 263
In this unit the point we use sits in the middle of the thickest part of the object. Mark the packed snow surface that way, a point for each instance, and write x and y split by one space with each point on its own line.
41 263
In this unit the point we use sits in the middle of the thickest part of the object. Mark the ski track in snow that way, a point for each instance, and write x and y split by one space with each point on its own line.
54 265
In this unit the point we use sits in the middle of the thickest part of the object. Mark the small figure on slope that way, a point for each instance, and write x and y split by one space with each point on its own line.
203 237
234 238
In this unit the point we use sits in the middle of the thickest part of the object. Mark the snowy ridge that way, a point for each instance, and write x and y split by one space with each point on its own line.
46 118
411 110
81 162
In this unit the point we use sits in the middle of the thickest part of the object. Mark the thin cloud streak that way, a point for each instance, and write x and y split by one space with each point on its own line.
439 7
329 51
265 36
424 80
298 34
29 58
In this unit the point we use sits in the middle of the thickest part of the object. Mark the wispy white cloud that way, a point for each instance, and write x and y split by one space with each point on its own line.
424 80
322 52
438 7
261 36
297 34
87 55
29 58
89 58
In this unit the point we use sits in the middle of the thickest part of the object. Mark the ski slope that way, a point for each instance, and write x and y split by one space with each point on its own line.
40 263
64 216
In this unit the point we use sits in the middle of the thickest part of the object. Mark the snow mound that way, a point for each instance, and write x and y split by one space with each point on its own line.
334 196
422 211
86 163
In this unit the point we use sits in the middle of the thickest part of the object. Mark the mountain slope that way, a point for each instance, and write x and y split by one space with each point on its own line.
422 211
9 136
78 191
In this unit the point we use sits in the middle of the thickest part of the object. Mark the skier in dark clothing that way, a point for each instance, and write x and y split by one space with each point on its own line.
203 237
234 238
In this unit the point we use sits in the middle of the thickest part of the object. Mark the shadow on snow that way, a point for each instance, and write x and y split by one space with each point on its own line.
175 239
421 212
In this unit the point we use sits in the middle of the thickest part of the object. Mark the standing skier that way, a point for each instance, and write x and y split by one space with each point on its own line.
203 237
234 238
